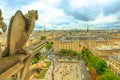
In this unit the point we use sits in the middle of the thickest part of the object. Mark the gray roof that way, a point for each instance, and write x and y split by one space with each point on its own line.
84 38
64 41
117 58
81 37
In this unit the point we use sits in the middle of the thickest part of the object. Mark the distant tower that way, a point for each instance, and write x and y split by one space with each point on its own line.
44 28
63 29
87 29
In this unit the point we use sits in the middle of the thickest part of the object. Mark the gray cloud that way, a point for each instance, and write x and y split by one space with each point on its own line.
61 23
112 8
89 13
64 14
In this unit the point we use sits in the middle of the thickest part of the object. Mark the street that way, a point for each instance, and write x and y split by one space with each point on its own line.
84 71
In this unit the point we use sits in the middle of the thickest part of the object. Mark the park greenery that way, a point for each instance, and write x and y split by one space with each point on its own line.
43 71
41 75
67 52
35 60
43 37
98 67
41 58
48 46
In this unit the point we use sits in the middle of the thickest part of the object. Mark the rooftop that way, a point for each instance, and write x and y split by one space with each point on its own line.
108 47
117 58
97 38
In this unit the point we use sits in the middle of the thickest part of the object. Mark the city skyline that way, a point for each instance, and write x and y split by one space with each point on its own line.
67 14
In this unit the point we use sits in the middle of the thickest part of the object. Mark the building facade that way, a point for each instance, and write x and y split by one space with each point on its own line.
114 64
101 44
66 44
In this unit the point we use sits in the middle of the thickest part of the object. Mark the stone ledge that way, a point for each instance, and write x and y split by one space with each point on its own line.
10 61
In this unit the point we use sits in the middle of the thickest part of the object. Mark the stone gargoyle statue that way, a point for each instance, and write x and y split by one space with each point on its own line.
2 24
20 28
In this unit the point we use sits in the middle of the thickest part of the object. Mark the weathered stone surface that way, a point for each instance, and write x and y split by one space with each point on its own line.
20 28
9 61
0 51
2 24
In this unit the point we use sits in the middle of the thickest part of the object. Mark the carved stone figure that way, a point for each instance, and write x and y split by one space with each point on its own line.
0 51
20 27
2 24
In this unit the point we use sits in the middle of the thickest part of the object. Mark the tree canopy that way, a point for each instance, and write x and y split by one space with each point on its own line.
67 52
43 37
48 46
108 75
97 64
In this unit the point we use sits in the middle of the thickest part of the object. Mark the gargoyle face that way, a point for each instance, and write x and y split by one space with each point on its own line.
1 17
34 13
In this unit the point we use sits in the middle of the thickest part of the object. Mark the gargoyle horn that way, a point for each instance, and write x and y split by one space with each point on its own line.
2 24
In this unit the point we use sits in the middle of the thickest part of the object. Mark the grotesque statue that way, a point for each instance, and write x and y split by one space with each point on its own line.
2 24
20 28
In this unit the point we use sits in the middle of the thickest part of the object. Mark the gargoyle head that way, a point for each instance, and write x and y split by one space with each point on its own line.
34 13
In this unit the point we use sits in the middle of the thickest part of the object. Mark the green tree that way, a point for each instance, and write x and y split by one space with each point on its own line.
98 63
66 52
72 53
42 58
35 60
43 37
63 52
79 55
108 76
101 66
86 55
48 46
92 62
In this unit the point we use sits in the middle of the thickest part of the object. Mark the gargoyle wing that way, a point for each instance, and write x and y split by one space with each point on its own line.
17 33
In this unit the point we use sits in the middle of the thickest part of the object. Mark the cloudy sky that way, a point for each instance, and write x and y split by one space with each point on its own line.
67 14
